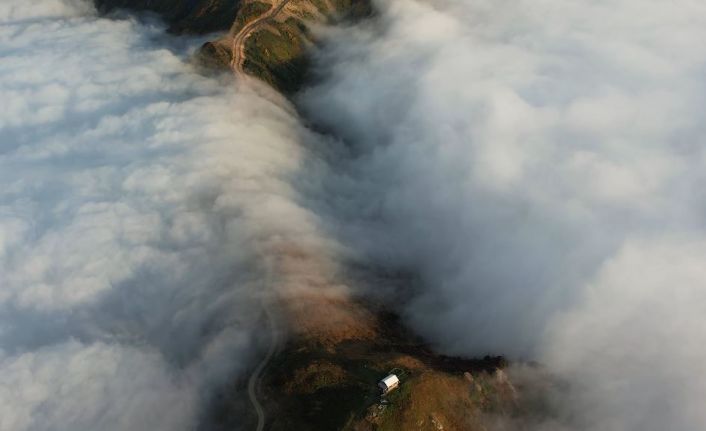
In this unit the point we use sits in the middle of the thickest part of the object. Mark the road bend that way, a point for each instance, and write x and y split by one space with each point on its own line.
238 45
254 382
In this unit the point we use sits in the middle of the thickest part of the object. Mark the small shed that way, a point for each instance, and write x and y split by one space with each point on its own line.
389 383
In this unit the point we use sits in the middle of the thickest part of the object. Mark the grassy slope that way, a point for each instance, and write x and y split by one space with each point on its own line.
333 387
248 12
280 60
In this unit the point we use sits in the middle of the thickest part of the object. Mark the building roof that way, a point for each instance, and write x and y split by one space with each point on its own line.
390 380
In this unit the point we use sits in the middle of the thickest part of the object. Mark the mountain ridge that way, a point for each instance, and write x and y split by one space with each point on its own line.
324 375
275 52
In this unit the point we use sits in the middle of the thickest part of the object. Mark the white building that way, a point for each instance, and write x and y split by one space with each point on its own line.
389 383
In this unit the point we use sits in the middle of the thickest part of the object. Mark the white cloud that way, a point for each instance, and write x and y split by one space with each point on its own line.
73 386
517 152
138 201
635 342
538 163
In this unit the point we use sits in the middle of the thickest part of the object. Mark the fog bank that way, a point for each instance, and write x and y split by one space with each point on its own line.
540 165
141 204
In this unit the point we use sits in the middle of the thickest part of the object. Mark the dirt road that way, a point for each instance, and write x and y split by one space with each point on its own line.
238 46
254 381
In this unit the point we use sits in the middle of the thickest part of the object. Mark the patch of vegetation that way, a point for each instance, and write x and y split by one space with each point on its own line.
184 16
335 388
321 6
214 56
248 12
353 9
330 408
206 16
279 60
393 415
323 389
316 375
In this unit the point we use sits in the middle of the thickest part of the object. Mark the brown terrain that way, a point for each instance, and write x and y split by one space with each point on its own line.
338 346
324 377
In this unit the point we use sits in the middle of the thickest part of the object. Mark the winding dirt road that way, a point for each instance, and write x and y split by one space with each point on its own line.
254 381
238 45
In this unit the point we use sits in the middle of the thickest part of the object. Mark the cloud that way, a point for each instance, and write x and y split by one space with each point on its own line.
538 164
92 397
140 205
635 342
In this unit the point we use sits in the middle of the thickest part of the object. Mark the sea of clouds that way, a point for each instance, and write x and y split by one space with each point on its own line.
139 204
541 165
